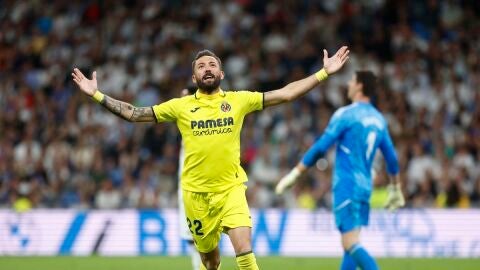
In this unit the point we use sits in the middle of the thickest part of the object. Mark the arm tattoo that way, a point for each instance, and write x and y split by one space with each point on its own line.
113 105
144 114
127 111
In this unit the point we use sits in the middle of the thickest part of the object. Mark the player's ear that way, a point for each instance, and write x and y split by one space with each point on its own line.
194 80
222 75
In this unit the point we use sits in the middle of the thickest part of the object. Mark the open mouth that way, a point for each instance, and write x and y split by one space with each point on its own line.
208 76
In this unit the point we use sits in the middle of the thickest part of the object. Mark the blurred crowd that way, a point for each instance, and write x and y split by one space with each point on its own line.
60 149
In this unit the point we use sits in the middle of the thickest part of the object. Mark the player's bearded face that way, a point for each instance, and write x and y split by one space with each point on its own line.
207 74
208 81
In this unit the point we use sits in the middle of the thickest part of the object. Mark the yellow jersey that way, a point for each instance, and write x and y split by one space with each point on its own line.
210 126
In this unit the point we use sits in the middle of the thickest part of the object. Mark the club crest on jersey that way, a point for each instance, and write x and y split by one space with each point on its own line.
225 107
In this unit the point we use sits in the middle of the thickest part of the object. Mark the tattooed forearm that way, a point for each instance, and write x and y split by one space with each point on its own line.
144 114
127 111
113 105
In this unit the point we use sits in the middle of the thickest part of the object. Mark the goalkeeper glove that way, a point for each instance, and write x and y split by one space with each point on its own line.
287 181
395 197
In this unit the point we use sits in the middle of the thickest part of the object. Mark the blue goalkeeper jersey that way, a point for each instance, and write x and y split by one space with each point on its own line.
358 129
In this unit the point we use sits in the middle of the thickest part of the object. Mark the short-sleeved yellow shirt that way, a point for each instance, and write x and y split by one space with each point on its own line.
210 126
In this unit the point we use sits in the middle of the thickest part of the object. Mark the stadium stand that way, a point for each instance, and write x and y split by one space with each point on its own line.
60 150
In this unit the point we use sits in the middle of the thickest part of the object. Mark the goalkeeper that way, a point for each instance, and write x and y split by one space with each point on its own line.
358 130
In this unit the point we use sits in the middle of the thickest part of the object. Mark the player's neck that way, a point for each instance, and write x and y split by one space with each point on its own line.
359 97
213 92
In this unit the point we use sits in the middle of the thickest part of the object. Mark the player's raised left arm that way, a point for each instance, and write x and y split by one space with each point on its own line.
298 88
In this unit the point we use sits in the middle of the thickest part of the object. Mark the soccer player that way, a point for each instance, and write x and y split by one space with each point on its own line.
210 122
358 130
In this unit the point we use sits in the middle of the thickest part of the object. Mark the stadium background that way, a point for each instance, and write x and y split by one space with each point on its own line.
59 150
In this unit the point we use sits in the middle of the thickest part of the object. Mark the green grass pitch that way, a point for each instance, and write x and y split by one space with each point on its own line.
265 263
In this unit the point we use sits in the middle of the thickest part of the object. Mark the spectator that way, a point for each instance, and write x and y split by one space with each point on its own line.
108 197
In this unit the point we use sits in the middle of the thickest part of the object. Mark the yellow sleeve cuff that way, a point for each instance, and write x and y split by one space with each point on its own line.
321 75
98 96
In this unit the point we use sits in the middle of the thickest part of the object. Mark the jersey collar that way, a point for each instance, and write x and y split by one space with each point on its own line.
362 102
199 95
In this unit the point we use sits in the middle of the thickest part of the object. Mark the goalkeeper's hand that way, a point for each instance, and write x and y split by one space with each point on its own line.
395 197
287 181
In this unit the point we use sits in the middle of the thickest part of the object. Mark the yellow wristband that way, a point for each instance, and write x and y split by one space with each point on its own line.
321 75
98 96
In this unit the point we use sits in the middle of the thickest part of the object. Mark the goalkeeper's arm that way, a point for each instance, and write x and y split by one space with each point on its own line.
316 151
290 179
395 197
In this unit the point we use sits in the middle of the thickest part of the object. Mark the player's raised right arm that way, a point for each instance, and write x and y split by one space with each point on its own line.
122 109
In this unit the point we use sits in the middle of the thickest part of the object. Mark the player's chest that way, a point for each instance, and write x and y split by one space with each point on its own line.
210 117
209 110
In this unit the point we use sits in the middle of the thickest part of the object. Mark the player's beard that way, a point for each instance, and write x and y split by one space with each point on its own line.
209 87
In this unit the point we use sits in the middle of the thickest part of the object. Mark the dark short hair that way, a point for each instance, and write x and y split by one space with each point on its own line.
368 81
205 53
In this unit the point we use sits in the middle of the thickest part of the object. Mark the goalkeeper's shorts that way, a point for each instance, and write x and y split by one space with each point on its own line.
351 215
